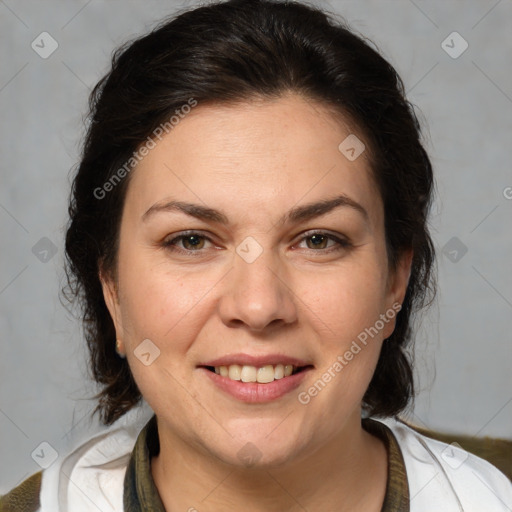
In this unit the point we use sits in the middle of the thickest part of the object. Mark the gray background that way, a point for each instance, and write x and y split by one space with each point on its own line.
464 352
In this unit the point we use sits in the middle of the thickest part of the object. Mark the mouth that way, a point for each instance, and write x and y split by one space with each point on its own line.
256 379
264 374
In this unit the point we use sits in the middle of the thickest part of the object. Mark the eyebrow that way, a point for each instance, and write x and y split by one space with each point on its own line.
293 216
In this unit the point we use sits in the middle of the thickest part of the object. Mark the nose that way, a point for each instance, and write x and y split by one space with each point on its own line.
258 296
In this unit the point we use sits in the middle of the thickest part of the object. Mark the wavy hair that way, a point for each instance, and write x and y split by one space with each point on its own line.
231 52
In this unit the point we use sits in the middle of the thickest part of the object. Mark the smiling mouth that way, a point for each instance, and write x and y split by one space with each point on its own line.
262 375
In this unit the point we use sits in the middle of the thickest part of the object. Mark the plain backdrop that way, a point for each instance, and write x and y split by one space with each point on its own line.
464 99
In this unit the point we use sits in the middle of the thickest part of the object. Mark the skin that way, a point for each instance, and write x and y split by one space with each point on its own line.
254 162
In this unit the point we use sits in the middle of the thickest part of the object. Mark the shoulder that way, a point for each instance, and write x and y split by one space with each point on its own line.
24 497
98 465
442 475
94 461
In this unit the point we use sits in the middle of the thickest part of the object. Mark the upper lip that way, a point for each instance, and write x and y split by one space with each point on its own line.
258 361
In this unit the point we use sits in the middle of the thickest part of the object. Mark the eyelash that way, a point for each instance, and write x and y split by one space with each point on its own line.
171 244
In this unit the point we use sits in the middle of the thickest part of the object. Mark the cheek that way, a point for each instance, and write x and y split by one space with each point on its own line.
346 301
156 301
344 308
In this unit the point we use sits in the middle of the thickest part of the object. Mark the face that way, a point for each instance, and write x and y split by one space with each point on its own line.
254 276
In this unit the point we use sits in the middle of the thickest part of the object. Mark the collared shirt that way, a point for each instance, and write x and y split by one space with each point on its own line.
111 472
141 494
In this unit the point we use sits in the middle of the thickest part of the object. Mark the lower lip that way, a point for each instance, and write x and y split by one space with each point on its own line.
254 392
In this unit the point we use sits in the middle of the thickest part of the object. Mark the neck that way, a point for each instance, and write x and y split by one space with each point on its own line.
347 473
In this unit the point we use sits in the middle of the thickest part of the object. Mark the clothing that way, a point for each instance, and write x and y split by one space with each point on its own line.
141 493
111 473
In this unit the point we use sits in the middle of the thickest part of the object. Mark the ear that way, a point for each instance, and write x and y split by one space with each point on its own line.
398 281
111 296
397 287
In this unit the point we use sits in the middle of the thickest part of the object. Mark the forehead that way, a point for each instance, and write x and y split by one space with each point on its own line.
265 155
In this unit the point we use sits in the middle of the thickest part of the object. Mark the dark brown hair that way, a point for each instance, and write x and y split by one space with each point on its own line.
232 52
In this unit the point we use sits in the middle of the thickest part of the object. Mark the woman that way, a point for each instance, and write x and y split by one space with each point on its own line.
248 236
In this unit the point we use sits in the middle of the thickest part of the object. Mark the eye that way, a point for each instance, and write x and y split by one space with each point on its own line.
191 241
317 241
320 239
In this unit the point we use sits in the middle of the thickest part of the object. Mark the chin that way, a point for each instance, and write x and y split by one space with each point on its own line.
253 456
262 448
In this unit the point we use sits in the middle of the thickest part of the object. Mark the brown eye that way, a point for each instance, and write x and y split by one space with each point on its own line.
190 242
318 242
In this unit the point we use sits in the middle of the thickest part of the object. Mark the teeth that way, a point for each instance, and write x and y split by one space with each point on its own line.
265 374
279 371
247 373
234 372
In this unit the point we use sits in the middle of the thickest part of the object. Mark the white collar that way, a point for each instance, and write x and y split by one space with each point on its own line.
445 477
441 477
91 477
